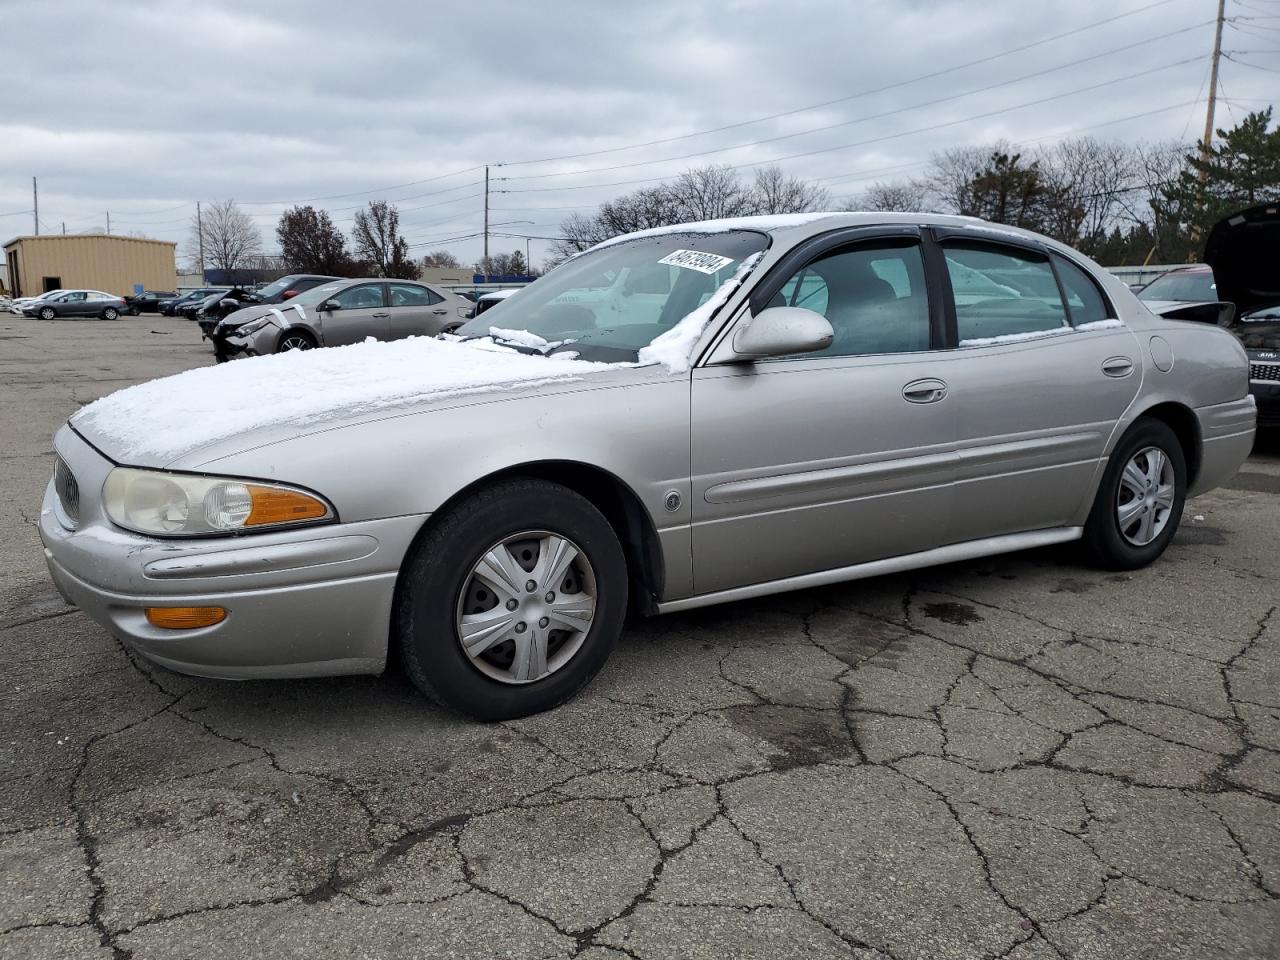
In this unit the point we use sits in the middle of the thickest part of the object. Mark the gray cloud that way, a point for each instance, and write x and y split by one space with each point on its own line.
141 107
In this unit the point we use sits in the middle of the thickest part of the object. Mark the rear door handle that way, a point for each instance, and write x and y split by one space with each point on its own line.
1117 366
924 391
380 316
441 311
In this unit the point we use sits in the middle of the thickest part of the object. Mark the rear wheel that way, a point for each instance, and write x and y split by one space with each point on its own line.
111 313
512 601
295 340
1139 503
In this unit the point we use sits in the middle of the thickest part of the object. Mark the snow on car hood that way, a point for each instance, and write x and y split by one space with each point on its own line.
159 421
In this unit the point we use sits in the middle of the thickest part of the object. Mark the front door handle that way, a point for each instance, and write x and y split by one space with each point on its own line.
380 316
1117 366
924 391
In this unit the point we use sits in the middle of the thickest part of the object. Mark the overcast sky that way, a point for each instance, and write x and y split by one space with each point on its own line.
142 107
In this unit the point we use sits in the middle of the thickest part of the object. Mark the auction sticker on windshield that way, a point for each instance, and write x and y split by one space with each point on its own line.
694 260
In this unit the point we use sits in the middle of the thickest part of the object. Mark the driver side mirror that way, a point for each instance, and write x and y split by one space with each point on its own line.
781 331
330 305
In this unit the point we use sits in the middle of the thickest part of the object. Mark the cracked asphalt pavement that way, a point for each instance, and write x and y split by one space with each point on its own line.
1017 757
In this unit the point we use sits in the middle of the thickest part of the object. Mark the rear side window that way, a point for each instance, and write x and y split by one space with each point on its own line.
1084 300
409 295
1002 292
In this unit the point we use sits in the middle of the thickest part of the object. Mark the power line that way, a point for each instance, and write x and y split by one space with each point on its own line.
876 116
852 96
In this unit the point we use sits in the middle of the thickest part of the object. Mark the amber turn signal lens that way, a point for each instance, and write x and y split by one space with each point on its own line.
185 618
282 506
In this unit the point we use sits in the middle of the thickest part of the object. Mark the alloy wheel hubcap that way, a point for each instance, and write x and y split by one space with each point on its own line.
526 607
1145 498
295 343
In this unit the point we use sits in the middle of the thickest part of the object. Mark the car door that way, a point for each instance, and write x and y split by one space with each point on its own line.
361 312
75 304
834 458
416 311
1038 383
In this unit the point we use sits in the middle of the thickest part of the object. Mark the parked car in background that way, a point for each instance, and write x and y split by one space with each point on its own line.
169 308
231 312
191 309
5 304
490 299
78 303
1237 287
18 304
346 311
148 301
1193 284
488 514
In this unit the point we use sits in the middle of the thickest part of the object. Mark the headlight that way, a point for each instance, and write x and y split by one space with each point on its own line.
183 505
245 329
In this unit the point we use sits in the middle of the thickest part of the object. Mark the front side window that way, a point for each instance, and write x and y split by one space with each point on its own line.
367 296
1002 292
874 297
614 300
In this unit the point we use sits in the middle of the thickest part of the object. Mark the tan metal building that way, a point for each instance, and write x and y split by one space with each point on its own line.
91 261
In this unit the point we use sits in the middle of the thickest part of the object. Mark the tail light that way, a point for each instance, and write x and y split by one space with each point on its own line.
288 294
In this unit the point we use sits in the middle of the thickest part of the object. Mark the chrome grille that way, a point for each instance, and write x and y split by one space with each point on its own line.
64 482
1265 371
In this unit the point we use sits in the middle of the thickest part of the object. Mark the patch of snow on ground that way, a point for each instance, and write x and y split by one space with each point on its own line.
672 349
173 415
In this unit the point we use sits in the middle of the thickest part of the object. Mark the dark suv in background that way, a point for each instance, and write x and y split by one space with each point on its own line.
170 307
223 317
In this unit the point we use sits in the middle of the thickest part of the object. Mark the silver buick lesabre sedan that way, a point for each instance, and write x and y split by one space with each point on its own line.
674 418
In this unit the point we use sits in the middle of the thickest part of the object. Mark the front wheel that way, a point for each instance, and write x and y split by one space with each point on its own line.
1139 503
48 313
295 341
512 600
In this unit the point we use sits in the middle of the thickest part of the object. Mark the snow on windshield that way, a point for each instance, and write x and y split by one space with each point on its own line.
173 415
674 348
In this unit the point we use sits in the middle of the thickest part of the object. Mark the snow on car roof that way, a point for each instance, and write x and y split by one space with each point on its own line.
177 414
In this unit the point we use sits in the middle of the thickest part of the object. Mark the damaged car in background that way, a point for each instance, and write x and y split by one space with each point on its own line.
758 405
1238 288
342 312
223 317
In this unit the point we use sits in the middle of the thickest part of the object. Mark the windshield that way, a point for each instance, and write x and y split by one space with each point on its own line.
1188 285
614 300
273 289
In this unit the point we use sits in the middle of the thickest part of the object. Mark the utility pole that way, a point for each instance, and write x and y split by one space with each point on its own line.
200 236
35 204
64 228
108 223
485 261
1213 80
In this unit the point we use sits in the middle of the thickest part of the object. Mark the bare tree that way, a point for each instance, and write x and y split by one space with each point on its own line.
1087 180
953 172
775 192
230 235
377 238
443 259
900 195
711 193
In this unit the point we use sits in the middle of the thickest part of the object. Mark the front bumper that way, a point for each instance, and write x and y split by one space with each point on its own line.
313 601
1264 384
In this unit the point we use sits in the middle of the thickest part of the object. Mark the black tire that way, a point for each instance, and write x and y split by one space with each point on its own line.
1104 543
306 341
133 311
48 313
111 313
439 566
